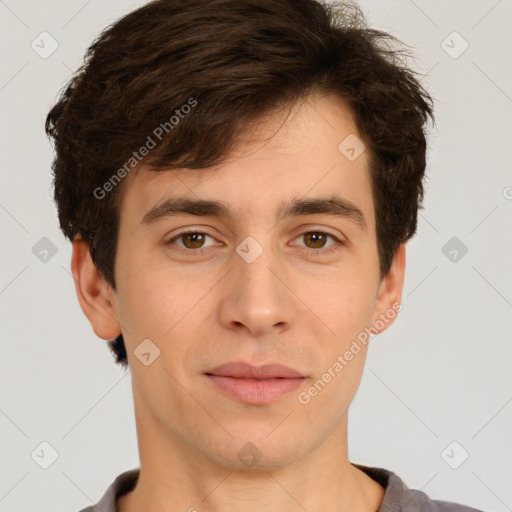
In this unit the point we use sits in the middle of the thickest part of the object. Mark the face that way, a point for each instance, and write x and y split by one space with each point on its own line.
277 275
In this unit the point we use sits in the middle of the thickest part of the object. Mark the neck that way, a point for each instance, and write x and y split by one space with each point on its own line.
175 476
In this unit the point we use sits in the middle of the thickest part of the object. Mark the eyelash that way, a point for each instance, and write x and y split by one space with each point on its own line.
313 252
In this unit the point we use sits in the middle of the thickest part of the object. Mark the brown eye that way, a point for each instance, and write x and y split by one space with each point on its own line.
316 239
193 240
317 242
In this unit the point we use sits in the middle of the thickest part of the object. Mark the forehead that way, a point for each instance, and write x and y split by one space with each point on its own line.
271 162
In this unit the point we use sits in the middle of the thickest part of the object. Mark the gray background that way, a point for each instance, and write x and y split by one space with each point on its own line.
442 373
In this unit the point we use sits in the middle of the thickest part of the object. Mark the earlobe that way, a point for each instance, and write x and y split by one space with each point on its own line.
94 293
389 296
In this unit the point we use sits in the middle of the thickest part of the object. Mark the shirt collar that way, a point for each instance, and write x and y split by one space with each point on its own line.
397 496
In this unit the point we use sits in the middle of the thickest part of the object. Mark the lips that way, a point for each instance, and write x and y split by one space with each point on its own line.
247 371
255 385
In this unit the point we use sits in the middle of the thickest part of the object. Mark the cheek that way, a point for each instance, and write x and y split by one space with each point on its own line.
347 310
344 302
155 304
146 304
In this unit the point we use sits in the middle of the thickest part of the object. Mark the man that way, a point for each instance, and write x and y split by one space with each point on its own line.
239 180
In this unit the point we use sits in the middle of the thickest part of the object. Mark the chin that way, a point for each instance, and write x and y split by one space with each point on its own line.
257 452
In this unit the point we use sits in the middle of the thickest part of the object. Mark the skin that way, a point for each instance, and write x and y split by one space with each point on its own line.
288 306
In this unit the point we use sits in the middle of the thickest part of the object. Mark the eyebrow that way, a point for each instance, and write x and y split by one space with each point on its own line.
333 205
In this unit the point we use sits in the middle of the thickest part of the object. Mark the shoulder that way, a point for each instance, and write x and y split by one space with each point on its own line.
399 498
448 506
123 483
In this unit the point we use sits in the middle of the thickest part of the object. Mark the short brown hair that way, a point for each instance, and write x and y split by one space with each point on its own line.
236 59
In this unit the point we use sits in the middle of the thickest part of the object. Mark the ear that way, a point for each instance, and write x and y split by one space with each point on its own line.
389 296
95 295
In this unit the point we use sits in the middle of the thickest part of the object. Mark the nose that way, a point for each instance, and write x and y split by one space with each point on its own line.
257 297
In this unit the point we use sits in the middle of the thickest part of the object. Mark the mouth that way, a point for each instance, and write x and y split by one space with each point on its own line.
255 385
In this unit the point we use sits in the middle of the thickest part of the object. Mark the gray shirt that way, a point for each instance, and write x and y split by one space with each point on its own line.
397 497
